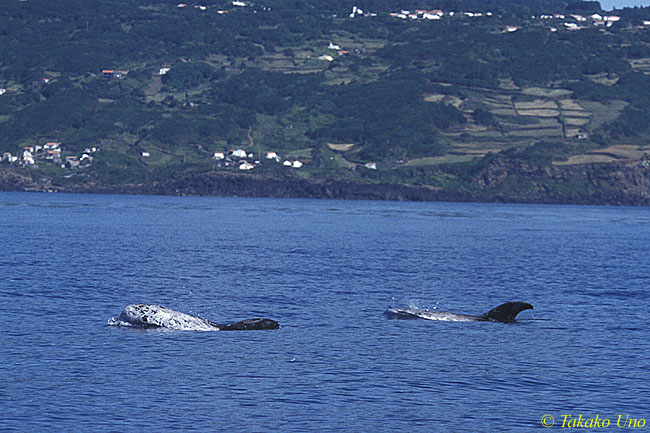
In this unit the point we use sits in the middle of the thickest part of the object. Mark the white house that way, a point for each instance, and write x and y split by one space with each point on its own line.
271 155
28 158
145 154
218 156
371 165
239 153
163 71
332 46
296 164
3 91
246 166
238 3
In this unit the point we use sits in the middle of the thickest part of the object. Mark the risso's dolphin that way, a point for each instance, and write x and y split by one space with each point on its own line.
157 316
503 313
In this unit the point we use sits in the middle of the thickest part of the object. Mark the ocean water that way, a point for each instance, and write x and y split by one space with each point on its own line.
326 270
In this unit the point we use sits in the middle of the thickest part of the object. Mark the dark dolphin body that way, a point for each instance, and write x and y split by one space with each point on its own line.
503 313
157 316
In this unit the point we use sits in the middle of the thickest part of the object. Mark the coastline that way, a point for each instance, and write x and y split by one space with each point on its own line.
599 184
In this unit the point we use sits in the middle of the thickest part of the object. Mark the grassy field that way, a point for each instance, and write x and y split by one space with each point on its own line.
610 154
523 116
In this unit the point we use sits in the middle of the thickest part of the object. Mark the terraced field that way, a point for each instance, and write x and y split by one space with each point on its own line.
522 117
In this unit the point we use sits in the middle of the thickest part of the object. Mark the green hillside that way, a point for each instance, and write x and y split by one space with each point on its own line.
426 94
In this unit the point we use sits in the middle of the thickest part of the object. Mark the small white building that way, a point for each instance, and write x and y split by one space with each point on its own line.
244 165
218 156
326 57
296 164
371 165
3 91
163 71
238 3
239 153
28 158
271 155
145 154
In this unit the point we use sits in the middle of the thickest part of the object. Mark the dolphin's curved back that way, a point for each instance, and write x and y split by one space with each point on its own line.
506 312
250 324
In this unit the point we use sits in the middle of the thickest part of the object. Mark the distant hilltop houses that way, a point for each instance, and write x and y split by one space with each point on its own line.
49 152
569 22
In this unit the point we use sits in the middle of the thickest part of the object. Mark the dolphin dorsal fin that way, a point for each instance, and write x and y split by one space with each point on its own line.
506 312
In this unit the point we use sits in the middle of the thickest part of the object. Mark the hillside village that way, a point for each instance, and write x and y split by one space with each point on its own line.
397 95
52 152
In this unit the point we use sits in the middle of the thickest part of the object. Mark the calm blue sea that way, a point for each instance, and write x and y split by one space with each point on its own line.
326 270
